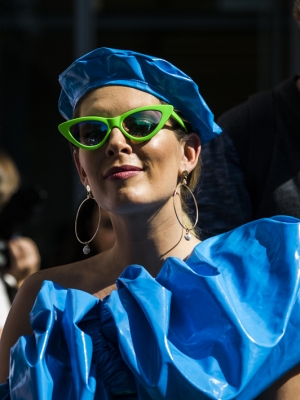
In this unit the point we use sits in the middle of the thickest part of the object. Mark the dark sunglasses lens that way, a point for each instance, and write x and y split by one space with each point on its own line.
142 123
89 133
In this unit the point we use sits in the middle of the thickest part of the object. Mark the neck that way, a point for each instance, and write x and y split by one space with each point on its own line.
149 239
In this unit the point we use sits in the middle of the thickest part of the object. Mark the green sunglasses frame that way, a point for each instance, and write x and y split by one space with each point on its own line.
166 110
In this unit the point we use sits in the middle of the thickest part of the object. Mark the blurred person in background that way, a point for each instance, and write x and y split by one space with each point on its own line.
252 170
19 255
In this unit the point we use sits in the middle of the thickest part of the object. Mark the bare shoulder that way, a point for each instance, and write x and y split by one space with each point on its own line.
92 276
18 323
81 275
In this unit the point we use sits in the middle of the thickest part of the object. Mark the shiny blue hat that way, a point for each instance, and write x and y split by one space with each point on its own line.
105 66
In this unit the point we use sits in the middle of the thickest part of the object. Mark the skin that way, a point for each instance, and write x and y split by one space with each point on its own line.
105 237
141 211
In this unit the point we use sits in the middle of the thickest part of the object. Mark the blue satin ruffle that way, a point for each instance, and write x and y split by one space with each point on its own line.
223 324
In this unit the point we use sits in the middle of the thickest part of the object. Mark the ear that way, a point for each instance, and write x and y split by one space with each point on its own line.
80 169
191 153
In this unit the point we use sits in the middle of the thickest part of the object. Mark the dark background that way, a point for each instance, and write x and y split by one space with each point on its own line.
231 48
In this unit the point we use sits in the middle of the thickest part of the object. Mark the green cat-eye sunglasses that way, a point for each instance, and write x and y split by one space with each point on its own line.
139 124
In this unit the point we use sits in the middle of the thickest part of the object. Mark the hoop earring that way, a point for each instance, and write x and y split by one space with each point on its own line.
183 182
89 196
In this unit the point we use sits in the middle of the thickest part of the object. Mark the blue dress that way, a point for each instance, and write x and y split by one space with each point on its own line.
223 324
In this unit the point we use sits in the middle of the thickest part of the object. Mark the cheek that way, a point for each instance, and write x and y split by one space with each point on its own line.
165 153
89 161
163 159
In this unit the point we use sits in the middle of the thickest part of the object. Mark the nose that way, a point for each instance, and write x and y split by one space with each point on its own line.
117 143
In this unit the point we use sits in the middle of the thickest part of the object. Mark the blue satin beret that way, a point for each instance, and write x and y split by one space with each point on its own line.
105 66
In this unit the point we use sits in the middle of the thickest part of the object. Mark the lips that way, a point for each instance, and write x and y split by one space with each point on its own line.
123 172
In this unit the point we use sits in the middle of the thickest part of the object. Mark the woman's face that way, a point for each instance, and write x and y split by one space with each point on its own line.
124 175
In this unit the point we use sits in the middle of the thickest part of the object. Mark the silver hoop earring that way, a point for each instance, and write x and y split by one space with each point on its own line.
183 182
89 196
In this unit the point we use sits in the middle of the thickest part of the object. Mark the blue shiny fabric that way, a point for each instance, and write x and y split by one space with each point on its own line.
223 324
105 66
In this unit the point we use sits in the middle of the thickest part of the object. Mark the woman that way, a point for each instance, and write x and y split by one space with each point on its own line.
197 320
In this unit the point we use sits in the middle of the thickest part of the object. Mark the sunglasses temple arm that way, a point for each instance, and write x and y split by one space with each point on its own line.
178 120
